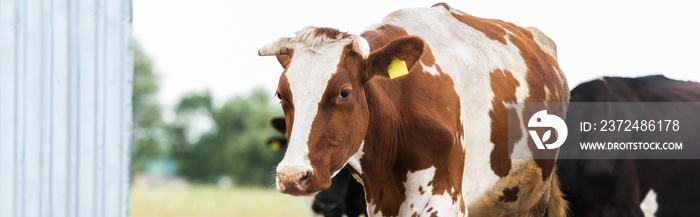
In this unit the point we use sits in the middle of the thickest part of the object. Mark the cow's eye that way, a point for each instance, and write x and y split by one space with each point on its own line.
278 96
345 94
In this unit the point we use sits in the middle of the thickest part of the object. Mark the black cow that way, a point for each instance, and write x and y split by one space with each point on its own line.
616 187
345 196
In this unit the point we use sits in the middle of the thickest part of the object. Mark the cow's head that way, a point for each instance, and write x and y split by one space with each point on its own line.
323 97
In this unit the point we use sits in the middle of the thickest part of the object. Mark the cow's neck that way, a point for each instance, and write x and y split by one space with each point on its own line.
374 168
381 180
400 133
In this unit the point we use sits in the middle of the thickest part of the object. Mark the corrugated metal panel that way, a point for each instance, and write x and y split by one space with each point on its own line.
65 107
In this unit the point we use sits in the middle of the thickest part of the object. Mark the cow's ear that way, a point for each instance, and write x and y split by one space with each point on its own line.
284 60
407 49
279 124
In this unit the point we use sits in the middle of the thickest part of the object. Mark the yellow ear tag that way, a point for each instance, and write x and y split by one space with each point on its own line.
275 145
397 68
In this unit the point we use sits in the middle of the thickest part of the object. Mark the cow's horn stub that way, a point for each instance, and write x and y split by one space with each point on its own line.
360 46
275 48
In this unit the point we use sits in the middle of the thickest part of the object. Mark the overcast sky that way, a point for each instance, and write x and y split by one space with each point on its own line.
212 44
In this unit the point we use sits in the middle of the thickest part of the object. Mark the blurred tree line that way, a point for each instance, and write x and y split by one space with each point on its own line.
206 141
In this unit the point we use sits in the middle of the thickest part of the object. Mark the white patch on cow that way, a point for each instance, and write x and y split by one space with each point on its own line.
522 91
431 70
370 210
468 60
649 205
520 149
455 11
426 203
315 60
354 161
545 43
508 32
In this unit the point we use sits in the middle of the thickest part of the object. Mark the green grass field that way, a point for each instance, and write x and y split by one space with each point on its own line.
210 201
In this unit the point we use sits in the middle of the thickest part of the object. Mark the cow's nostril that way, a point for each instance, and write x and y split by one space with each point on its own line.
305 178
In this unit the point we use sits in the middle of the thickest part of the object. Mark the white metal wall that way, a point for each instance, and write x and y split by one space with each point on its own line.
65 107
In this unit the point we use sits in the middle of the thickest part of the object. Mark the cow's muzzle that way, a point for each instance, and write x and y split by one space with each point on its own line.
294 181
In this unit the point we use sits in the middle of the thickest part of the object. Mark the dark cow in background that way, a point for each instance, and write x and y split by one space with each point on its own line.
616 187
278 142
345 196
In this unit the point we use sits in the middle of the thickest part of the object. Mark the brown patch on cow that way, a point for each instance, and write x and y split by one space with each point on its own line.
493 29
329 32
509 194
415 214
434 214
532 190
382 36
429 209
547 166
443 4
287 102
503 85
514 123
284 59
447 176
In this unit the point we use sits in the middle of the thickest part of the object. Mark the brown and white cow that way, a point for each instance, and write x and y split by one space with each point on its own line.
430 143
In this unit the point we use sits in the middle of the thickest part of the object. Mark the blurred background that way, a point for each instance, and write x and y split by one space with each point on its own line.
201 158
202 98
